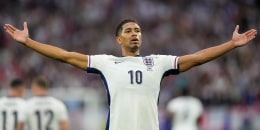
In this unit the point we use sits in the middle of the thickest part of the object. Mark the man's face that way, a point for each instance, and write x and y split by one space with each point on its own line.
34 89
130 37
20 90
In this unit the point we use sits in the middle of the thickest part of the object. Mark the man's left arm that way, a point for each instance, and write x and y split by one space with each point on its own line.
188 61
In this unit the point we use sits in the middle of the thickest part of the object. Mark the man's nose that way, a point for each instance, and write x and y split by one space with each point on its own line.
134 33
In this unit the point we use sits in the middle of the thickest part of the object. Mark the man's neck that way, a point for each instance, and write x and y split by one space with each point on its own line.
125 53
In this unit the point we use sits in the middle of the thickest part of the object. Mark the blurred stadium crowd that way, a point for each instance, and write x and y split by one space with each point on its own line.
175 27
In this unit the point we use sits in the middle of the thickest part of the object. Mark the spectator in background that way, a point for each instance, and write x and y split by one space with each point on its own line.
13 107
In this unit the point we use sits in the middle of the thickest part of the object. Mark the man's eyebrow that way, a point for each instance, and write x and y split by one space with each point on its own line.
128 29
136 28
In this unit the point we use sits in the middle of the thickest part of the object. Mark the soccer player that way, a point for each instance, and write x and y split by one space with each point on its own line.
185 111
45 112
12 108
132 81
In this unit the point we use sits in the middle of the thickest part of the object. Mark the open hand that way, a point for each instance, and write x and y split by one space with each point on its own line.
244 38
18 35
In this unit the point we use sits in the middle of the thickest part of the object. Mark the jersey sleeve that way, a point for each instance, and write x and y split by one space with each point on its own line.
169 64
96 63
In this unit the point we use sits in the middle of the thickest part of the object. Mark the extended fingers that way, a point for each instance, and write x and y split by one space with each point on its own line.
9 26
251 32
9 32
251 37
8 29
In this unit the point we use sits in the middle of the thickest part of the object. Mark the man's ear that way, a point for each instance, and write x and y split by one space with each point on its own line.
118 40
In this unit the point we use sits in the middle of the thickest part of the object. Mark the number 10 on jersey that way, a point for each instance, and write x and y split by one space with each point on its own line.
136 76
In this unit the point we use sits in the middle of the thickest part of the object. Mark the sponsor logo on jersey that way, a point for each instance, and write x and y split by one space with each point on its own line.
117 62
148 61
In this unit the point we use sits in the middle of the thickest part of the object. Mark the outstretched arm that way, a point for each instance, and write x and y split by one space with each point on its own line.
22 36
188 61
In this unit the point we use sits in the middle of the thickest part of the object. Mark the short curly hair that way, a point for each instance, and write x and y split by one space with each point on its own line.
120 25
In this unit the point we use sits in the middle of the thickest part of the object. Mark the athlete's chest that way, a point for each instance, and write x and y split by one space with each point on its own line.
147 64
129 72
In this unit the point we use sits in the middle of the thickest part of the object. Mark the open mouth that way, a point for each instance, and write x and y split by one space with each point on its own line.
134 40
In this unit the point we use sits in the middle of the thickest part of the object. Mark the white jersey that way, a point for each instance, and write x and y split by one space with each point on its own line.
187 110
12 111
46 113
133 86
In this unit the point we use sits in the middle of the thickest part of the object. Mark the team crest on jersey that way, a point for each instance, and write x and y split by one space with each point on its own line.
148 61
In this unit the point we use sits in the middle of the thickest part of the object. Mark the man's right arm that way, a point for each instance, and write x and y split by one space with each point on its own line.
76 59
22 36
